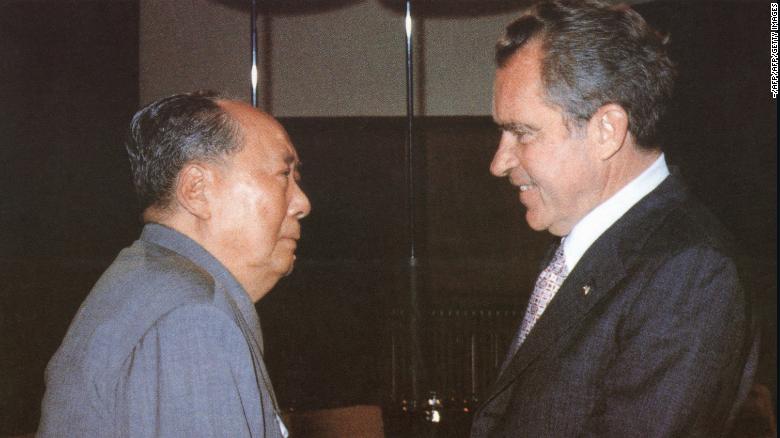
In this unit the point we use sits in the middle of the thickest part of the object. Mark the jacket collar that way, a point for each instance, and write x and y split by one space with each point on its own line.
183 245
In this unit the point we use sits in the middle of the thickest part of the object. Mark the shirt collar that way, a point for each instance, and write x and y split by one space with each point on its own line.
593 225
183 245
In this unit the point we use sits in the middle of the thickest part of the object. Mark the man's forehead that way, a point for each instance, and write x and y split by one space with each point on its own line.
249 116
263 130
519 85
277 149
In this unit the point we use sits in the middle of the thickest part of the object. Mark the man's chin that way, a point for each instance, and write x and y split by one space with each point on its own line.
290 267
534 222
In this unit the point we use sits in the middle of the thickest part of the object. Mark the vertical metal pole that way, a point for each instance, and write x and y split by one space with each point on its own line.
253 33
414 314
393 369
473 368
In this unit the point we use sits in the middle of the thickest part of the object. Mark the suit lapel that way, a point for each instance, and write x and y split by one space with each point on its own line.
595 278
581 291
546 259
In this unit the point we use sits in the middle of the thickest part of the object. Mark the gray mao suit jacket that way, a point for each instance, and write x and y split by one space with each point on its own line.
650 335
167 344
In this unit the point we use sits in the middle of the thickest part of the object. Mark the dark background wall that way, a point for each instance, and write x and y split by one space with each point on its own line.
69 85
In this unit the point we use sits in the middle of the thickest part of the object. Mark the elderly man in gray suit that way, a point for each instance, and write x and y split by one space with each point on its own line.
637 325
168 341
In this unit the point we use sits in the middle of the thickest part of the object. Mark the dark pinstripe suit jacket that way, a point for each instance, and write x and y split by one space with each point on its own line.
649 335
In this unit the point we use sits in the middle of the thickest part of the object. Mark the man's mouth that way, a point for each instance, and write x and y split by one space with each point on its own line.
523 186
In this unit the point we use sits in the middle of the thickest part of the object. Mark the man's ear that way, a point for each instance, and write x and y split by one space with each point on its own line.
191 189
608 129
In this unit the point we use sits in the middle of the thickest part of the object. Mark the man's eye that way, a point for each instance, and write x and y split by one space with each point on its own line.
521 136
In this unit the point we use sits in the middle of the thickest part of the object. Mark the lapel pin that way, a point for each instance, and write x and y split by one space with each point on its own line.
585 290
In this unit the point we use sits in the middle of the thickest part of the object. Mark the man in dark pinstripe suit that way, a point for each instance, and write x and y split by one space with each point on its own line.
638 324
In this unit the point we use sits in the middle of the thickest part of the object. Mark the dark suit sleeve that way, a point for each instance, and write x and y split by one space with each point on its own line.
678 360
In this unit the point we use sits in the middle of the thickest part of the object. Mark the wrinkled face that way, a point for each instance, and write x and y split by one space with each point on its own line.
555 170
257 203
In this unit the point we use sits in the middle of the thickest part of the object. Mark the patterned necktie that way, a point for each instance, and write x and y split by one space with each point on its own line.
548 283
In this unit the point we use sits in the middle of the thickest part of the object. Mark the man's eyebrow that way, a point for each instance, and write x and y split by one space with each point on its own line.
515 126
293 163
290 159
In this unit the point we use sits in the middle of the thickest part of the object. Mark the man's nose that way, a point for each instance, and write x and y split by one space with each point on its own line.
505 157
300 205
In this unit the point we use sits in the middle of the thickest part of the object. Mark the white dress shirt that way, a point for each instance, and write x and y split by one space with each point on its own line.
593 225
